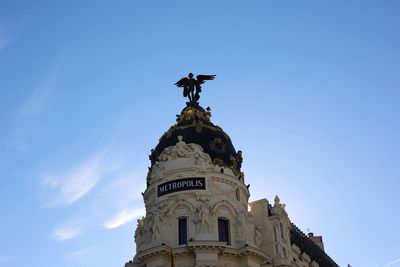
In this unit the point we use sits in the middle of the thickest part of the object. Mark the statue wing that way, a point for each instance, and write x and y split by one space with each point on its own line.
182 82
202 78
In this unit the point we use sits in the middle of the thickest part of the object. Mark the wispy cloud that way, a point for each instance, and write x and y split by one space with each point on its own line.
122 196
123 189
391 263
115 201
66 233
124 217
82 253
38 101
71 185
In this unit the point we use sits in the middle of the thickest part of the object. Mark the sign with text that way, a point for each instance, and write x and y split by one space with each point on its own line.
183 184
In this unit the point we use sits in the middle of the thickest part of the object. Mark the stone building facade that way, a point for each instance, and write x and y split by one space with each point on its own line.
197 209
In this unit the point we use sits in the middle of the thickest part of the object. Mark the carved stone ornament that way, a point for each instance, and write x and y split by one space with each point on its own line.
202 218
257 236
278 208
140 238
217 145
241 226
181 150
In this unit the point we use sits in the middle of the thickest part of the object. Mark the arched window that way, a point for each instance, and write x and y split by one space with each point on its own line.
182 230
223 230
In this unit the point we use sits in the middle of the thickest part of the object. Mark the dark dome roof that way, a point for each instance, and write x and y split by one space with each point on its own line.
194 126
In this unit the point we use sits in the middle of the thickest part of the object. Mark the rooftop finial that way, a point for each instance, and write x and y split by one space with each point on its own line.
192 87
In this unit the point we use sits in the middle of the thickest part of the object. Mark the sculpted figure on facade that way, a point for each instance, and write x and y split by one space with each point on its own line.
250 227
183 150
240 225
152 227
158 168
257 236
156 226
203 218
140 234
278 208
164 210
202 160
180 150
147 226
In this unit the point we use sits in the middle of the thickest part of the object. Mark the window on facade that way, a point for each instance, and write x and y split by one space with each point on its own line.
223 230
182 231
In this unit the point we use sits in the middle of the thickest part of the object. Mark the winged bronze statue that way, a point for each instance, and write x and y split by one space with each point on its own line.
192 87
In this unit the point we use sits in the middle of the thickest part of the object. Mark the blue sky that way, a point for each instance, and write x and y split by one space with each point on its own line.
309 90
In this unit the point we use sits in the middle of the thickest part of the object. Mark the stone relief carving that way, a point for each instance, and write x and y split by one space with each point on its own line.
147 226
193 153
250 227
140 234
202 217
202 160
164 209
157 168
152 226
257 236
278 208
240 221
223 187
178 204
156 230
149 197
181 150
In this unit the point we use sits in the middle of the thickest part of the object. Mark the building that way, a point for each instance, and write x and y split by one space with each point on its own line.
197 209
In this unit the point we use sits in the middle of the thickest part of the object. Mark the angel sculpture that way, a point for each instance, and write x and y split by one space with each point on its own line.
192 87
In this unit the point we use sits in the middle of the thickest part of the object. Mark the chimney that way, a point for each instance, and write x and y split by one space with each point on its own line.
317 240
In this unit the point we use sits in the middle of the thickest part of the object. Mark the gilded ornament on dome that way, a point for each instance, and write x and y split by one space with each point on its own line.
217 145
198 126
234 165
219 162
193 113
233 160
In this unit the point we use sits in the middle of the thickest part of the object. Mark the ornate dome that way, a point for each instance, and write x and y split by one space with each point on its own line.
194 125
